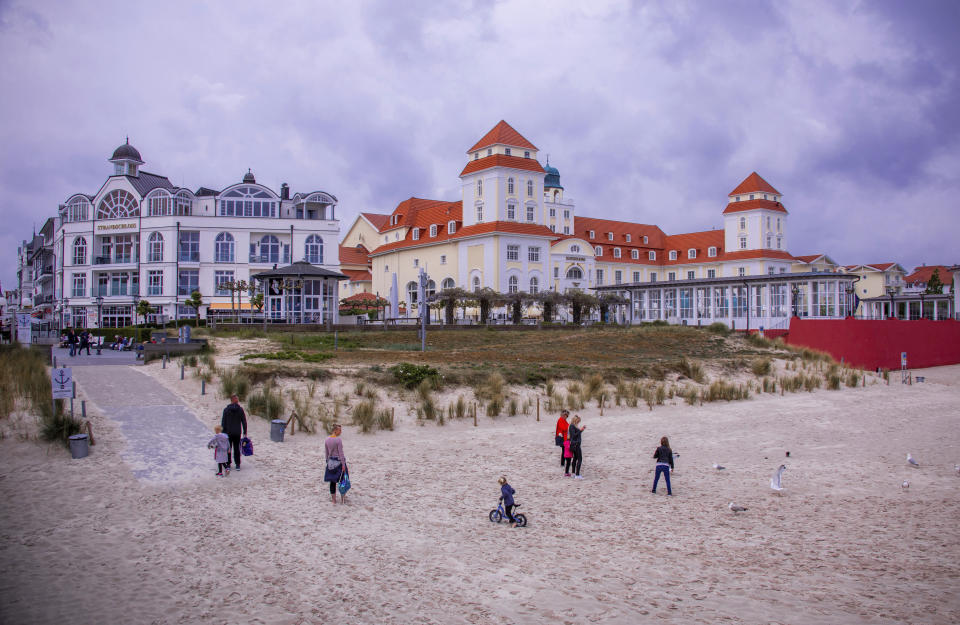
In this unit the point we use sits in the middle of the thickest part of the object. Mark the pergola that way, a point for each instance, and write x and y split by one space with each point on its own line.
301 293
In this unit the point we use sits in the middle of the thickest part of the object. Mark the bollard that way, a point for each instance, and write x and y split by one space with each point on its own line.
54 362
181 370
83 408
203 387
163 362
538 408
334 340
79 446
276 430
71 407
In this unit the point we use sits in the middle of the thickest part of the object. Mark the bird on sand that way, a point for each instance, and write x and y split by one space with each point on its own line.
736 508
775 483
912 462
718 467
905 485
956 468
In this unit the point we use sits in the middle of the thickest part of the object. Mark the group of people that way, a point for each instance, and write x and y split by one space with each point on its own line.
76 341
569 437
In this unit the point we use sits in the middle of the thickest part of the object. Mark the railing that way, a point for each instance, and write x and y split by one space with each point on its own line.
267 259
113 292
117 260
189 257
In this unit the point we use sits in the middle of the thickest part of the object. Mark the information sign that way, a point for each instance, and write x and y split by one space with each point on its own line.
61 378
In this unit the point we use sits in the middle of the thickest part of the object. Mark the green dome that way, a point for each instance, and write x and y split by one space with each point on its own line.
552 179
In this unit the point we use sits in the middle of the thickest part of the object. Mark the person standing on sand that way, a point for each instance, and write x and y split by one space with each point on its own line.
561 436
336 462
575 432
664 457
234 424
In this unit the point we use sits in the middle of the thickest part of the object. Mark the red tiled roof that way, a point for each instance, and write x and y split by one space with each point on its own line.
504 134
354 255
808 258
881 266
422 213
749 205
361 297
583 226
749 254
502 160
923 274
357 275
700 241
754 182
378 220
508 227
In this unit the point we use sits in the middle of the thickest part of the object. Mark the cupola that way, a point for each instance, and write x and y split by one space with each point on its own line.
126 160
249 178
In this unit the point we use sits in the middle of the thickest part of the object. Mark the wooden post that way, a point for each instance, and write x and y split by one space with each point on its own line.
90 433
474 414
83 408
538 408
292 423
203 386
181 370
392 416
601 404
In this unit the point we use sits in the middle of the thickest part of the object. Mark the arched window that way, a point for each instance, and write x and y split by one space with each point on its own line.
183 203
476 283
529 188
223 248
78 209
598 251
513 284
574 273
743 223
270 249
616 252
534 286
118 204
412 292
247 201
314 250
448 283
511 211
79 251
510 186
574 249
155 247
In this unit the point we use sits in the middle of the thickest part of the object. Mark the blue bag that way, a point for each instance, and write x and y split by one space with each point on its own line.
344 484
246 446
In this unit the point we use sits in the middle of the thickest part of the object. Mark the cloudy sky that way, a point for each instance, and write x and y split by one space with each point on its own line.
652 111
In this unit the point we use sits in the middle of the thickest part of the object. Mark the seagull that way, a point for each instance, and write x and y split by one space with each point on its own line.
775 480
912 462
736 508
718 467
905 485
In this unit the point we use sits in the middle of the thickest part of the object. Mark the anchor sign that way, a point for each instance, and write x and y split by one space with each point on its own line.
62 381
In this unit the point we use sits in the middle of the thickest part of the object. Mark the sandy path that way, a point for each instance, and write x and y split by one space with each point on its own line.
844 544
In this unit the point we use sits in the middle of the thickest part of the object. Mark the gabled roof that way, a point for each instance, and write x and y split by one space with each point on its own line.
507 227
354 255
357 276
810 258
699 241
749 254
754 182
502 160
147 182
923 274
885 266
376 220
749 205
503 134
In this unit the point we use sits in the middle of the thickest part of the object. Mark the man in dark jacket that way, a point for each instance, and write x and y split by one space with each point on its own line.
234 424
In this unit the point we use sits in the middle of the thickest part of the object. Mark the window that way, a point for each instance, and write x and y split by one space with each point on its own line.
188 281
691 253
80 251
506 151
451 227
433 230
616 252
778 224
673 254
635 254
78 209
598 251
653 276
526 154
599 276
651 255
476 283
627 238
645 239
489 151
769 241
738 198
590 234
618 277
154 282
479 213
672 276
510 186
513 284
219 279
533 254
566 229
118 204
480 188
447 283
566 214
743 243
691 275
743 223
768 222
574 273
553 212
223 248
534 286
189 247
530 213
412 292
556 272
529 188
79 285
609 236
779 242
155 247
553 227
711 251
416 234
247 201
511 211
636 276
574 249
513 252
771 270
443 259
741 271
711 273
751 196
313 252
269 249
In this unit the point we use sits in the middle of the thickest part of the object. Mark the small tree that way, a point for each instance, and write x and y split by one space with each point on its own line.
144 308
515 302
449 298
935 284
195 301
608 299
549 301
580 304
486 297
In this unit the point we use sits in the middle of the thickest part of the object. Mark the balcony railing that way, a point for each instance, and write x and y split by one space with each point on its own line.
114 292
267 259
115 260
189 257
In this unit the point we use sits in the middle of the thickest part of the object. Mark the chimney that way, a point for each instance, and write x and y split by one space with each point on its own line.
284 191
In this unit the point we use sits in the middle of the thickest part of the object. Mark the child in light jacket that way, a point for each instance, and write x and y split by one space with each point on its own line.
220 444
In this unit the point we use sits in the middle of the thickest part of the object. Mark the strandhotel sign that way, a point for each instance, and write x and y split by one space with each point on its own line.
116 226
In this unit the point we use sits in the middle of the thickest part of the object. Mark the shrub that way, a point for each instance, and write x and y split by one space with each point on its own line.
364 416
833 381
59 427
718 328
233 382
460 407
190 360
691 395
756 340
594 384
694 370
853 379
495 407
208 360
266 402
761 366
204 374
385 419
410 375
723 390
549 387
513 407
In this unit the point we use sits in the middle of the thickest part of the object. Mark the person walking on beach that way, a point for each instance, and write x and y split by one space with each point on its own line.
561 437
234 424
220 444
506 496
576 432
664 457
336 462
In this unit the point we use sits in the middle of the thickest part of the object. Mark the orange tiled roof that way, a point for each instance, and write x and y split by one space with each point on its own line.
923 274
808 258
504 134
502 160
754 182
361 297
748 254
378 220
881 266
509 227
422 213
356 275
699 241
583 225
749 205
357 255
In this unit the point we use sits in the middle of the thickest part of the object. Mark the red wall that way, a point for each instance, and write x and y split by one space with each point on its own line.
872 344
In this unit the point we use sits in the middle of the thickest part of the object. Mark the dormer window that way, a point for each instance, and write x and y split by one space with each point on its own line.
590 234
691 253
451 227
609 236
764 196
433 230
598 251
616 252
476 155
635 255
489 151
416 234
506 151
751 196
711 251
738 198
673 254
644 239
627 237
652 256
526 154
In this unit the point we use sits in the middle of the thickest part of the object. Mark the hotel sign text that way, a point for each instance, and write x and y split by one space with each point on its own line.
116 226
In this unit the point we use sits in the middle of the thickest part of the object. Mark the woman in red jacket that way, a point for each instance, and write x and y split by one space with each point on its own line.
561 436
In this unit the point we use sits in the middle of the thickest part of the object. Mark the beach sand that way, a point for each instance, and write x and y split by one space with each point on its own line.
81 541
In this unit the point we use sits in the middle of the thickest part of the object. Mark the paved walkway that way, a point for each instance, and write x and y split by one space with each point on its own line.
106 357
165 440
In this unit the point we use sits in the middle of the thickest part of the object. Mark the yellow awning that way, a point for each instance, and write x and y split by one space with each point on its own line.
227 306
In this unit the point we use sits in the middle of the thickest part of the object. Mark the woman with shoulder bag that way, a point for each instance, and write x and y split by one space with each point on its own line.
336 462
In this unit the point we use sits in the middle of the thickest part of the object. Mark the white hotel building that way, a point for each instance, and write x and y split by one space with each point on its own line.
140 237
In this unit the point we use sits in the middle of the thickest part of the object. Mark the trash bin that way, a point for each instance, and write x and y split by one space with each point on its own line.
79 446
277 426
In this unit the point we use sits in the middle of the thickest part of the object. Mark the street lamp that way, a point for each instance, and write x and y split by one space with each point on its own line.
99 301
136 319
796 296
63 312
893 312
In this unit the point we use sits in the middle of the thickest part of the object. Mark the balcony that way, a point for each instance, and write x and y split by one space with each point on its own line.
269 259
115 260
189 257
106 291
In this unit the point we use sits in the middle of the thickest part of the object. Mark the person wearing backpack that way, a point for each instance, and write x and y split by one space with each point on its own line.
336 462
234 424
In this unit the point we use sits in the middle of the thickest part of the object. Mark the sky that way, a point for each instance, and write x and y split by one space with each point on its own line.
652 111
